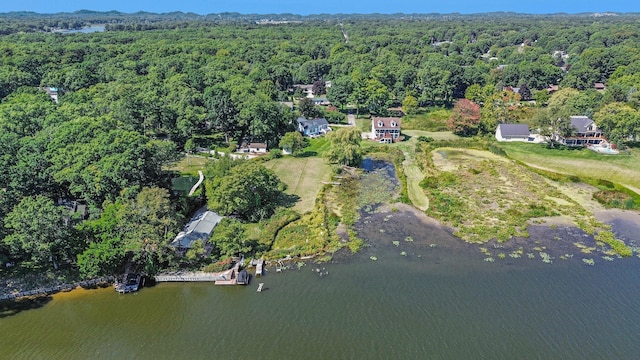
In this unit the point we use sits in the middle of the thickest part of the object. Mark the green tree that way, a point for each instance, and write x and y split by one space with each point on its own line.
229 238
551 126
293 142
221 110
345 146
102 258
250 191
340 91
410 105
308 109
618 121
39 231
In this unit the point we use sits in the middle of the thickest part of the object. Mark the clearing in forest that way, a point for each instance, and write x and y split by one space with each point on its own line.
303 177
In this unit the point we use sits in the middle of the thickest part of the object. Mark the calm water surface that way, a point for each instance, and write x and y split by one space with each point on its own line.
437 302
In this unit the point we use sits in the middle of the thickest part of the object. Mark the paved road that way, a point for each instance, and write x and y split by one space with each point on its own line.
351 119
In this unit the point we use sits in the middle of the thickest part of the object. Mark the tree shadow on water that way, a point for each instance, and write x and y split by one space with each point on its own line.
15 306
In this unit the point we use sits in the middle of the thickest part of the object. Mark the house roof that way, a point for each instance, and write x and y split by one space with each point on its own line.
599 86
200 226
258 145
386 122
581 123
314 122
514 130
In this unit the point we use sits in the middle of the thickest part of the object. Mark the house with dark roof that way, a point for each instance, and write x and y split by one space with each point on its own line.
585 132
385 129
513 132
314 127
200 227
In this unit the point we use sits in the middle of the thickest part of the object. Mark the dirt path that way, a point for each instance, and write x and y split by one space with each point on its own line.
414 177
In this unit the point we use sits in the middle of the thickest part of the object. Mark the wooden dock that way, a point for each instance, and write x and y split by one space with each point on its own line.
227 277
259 264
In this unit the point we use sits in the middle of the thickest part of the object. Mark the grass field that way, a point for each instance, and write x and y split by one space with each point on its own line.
189 165
623 169
303 177
431 119
411 170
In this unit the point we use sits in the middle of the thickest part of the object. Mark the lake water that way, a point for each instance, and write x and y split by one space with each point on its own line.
85 30
440 301
427 296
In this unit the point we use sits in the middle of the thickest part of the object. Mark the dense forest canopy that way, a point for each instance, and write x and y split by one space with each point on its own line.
130 98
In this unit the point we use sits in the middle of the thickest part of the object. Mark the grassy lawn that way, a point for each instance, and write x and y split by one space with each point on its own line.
430 119
189 165
303 177
622 169
317 146
363 124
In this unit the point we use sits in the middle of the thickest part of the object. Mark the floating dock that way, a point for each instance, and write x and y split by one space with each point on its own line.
260 287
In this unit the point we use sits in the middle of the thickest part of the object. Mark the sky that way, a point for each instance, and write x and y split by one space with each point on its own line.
305 7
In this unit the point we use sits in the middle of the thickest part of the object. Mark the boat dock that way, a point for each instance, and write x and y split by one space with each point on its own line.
227 277
259 264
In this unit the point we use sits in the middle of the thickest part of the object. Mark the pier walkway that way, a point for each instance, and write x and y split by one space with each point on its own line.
227 277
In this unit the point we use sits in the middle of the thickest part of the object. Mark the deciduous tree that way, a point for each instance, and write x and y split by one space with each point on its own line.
345 146
465 118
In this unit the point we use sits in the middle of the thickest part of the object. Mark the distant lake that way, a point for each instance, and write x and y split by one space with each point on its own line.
85 30
427 296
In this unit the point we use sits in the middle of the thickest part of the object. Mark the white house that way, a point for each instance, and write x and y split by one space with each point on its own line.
385 129
313 127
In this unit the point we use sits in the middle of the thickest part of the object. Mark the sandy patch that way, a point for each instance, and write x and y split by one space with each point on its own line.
401 207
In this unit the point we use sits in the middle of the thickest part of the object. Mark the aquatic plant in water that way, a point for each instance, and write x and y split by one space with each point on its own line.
588 261
608 258
531 255
409 239
396 243
404 253
373 258
502 256
546 258
489 259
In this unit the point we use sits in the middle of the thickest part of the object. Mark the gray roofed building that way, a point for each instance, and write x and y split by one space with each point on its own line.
516 132
581 123
313 127
586 132
200 227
